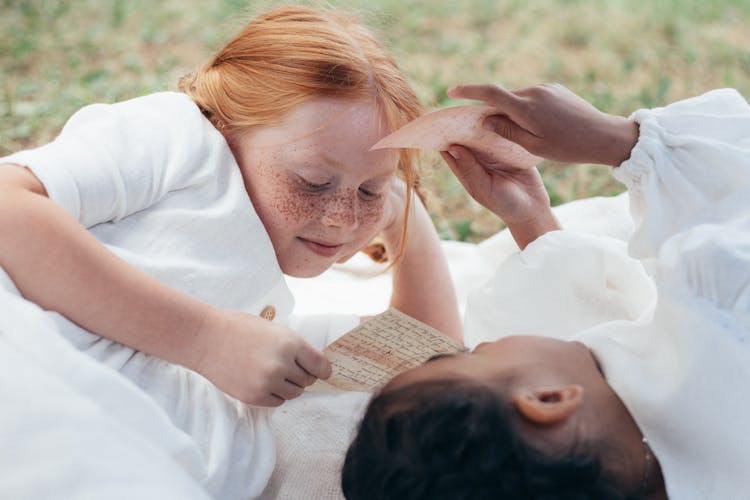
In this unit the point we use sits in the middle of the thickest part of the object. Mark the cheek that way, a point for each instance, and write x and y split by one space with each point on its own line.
292 206
287 204
372 212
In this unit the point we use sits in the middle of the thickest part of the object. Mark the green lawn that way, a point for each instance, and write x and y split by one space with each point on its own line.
56 56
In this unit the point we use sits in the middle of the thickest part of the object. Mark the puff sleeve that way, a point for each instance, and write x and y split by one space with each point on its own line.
112 160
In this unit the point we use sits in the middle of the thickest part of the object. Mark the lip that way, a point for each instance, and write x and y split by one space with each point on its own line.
321 248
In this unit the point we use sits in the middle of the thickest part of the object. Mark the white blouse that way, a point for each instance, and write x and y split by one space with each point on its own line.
157 184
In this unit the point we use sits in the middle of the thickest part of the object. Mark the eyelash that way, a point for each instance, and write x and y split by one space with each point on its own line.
369 195
314 187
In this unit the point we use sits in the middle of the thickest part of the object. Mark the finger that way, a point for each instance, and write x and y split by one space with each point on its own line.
453 165
466 169
313 361
287 390
451 161
297 375
507 128
492 95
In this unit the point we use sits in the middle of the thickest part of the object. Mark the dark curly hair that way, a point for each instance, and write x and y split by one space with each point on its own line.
455 440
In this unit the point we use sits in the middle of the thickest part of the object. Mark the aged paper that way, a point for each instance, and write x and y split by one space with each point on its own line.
368 356
459 125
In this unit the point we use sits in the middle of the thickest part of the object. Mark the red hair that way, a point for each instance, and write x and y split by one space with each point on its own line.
290 55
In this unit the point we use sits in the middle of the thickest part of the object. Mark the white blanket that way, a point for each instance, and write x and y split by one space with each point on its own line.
674 344
72 428
314 430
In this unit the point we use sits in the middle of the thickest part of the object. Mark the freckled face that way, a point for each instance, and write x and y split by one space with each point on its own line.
317 188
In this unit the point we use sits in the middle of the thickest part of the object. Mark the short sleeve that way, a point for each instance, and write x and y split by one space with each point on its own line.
112 160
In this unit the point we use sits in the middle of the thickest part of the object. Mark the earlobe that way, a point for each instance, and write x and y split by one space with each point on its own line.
548 405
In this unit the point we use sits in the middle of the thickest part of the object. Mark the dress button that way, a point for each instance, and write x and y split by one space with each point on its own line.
268 312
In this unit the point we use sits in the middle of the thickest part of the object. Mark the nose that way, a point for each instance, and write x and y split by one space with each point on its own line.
342 212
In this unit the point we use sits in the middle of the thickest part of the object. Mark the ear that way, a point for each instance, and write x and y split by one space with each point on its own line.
548 405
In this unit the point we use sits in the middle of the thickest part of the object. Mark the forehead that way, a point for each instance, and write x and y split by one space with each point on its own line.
324 116
449 367
340 129
493 363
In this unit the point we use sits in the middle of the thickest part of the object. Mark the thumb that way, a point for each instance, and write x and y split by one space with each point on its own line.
313 361
465 167
508 129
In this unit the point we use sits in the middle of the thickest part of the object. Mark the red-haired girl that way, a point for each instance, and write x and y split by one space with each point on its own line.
157 231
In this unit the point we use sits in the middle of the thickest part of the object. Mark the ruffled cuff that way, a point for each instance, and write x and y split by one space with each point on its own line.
691 157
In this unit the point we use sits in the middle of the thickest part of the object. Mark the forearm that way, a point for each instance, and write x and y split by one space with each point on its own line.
422 286
57 264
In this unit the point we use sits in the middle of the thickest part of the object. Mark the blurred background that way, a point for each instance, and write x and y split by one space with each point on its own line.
59 55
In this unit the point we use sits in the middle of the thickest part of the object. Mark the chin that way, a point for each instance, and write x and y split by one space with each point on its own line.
304 271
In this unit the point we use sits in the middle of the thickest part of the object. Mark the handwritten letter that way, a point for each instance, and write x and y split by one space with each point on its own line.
367 357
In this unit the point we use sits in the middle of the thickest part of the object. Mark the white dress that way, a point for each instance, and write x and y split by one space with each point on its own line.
157 184
74 428
669 317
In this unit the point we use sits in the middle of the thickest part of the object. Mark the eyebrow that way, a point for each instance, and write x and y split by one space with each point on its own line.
327 159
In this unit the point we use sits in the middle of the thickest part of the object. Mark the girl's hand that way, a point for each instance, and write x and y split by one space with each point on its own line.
551 121
56 263
255 360
515 195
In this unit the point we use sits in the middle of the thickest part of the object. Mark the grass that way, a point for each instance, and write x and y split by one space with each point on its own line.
58 55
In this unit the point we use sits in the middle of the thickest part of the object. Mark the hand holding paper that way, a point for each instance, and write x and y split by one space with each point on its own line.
459 125
495 171
551 121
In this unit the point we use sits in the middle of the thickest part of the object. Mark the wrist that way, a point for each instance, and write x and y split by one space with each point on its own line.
202 336
528 230
621 139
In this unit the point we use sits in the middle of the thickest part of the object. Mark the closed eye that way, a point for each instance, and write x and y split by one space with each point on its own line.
374 189
312 186
368 194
